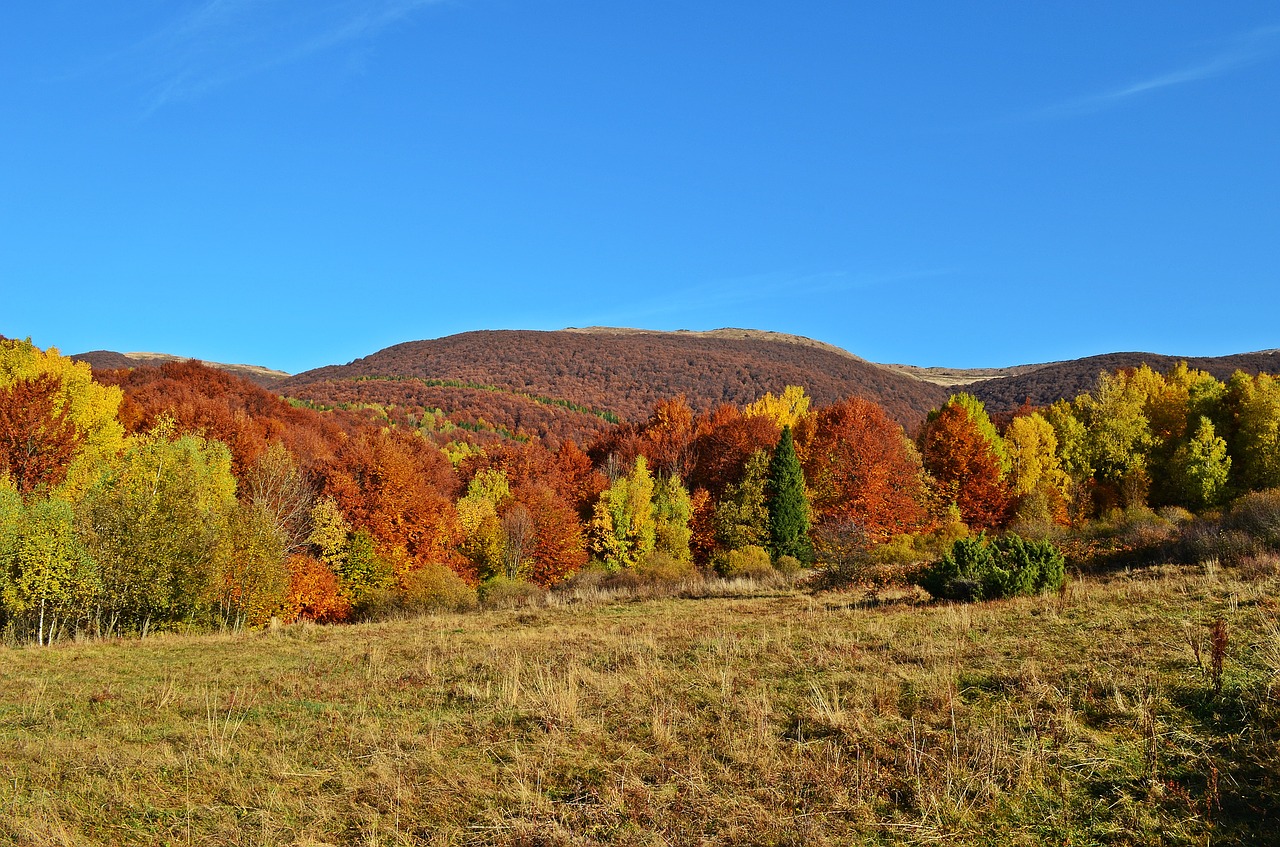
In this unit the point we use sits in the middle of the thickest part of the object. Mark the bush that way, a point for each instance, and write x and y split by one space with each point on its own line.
661 567
788 565
981 569
1258 516
750 562
436 588
503 592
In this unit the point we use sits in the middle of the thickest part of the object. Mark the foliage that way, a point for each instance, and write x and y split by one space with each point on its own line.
742 516
788 503
37 438
861 468
1031 448
1199 469
252 580
622 528
315 593
155 523
1255 402
960 457
69 429
786 410
436 588
399 489
672 510
49 579
981 569
748 562
364 572
274 485
659 566
977 413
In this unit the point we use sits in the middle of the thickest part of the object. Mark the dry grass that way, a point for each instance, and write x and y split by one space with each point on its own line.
785 719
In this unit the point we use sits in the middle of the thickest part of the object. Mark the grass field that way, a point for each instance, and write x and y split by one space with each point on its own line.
1092 717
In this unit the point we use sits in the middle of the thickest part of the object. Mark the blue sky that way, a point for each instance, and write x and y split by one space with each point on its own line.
296 184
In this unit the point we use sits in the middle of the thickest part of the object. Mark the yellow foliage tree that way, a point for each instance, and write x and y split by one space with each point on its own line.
90 407
1032 448
786 410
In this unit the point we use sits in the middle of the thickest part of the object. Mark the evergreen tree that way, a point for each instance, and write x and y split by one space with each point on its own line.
788 505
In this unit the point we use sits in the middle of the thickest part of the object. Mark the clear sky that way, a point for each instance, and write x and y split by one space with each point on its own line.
295 183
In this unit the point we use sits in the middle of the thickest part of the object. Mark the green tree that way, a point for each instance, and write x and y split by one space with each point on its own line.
672 509
1255 402
622 527
1118 432
50 579
156 522
788 504
252 579
742 516
1200 467
363 573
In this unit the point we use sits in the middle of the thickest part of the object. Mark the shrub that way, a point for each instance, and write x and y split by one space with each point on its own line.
1258 516
981 569
436 588
751 562
788 565
660 566
503 592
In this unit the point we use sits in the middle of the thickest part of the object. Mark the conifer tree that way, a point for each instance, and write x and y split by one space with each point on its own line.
788 505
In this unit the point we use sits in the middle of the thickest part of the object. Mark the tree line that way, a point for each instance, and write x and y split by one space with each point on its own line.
180 497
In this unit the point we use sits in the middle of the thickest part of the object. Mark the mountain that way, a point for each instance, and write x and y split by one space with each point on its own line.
109 360
575 383
1041 385
605 373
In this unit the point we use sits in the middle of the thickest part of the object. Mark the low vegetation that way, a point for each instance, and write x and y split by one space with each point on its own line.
1140 708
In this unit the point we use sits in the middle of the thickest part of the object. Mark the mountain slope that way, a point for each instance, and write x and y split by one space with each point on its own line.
625 372
110 360
1043 384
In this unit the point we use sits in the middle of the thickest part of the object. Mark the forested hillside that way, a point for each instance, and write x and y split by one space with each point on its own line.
1041 385
623 373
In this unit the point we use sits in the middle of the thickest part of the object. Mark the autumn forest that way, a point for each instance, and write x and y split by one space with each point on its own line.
182 497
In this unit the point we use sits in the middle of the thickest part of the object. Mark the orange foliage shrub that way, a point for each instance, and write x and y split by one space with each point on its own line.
314 592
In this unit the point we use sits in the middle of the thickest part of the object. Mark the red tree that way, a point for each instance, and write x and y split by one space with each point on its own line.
725 440
861 470
399 488
37 439
558 546
966 468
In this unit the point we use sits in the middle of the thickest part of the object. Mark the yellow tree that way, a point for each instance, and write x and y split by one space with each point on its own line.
1032 449
1255 402
786 410
1036 478
88 407
622 528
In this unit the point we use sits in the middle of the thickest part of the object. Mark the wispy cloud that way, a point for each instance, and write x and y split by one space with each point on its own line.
1245 49
216 43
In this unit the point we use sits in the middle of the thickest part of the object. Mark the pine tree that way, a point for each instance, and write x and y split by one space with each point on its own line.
788 505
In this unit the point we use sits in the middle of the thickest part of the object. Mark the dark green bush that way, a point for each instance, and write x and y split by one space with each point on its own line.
983 569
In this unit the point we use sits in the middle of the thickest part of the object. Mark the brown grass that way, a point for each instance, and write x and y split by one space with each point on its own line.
782 719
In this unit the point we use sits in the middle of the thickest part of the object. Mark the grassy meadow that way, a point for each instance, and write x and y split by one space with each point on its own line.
1101 715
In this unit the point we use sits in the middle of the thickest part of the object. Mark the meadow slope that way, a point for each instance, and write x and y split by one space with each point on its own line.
1091 717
